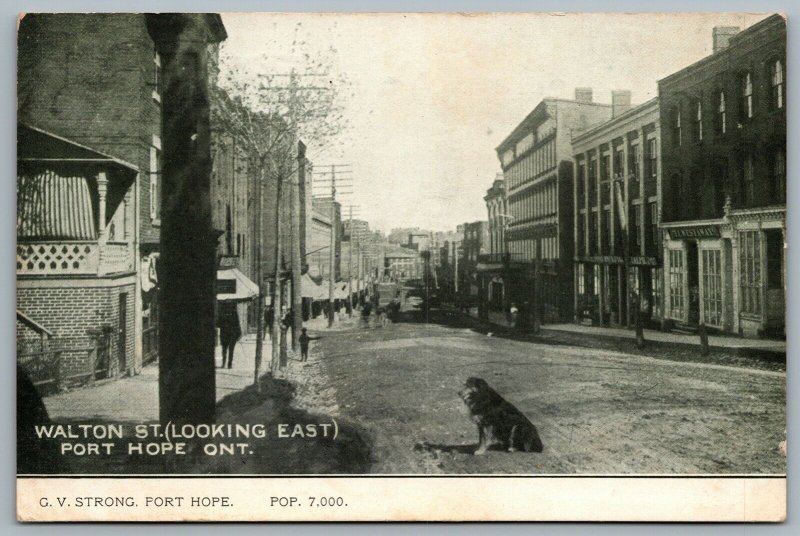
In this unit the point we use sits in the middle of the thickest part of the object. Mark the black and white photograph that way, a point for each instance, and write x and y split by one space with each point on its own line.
378 252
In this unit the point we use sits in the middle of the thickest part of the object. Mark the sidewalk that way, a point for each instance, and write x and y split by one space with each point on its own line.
135 398
735 344
714 341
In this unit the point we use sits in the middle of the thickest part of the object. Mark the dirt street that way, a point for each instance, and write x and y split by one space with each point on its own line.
597 410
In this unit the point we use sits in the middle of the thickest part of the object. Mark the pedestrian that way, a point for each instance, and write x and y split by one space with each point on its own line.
269 318
304 341
229 332
513 314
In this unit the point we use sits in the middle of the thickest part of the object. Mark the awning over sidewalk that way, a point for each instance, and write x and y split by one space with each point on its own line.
233 285
311 290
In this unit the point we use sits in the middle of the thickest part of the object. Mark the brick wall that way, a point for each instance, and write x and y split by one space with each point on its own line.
69 312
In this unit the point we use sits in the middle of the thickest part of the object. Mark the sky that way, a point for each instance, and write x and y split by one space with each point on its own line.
430 96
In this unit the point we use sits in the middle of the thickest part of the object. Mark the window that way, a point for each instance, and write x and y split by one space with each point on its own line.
581 234
746 104
655 278
155 170
581 279
722 117
604 168
750 271
712 287
778 174
654 234
652 157
776 79
677 136
592 182
676 290
156 77
636 226
698 120
633 164
748 180
619 163
581 185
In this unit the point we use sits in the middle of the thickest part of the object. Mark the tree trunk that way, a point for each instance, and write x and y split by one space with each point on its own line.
260 177
276 282
297 261
187 276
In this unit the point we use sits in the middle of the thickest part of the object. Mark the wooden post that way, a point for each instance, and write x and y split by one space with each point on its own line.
297 290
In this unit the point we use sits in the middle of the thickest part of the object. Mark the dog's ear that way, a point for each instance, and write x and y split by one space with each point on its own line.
481 384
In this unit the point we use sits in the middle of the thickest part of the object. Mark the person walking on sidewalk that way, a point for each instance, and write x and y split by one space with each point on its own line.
229 332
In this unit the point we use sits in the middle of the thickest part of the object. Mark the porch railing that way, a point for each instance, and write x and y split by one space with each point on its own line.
73 258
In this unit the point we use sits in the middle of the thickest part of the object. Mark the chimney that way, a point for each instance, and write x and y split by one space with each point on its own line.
583 94
620 101
722 36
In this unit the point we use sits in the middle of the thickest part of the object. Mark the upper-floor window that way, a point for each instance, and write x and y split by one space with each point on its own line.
698 120
604 168
156 77
592 181
746 105
155 171
581 183
634 162
652 157
677 134
777 81
722 114
619 162
748 180
777 166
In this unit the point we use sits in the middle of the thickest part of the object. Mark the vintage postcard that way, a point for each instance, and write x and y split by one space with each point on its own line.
396 267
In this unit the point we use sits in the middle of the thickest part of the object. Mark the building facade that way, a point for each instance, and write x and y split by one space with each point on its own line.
491 265
724 175
61 57
617 216
474 245
318 256
536 159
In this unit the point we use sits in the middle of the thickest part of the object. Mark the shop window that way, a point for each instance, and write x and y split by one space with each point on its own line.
677 297
657 293
750 272
712 286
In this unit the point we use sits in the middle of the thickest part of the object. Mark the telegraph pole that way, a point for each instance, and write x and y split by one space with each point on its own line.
332 274
334 168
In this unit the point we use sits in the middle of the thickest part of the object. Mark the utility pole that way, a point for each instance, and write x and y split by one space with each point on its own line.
350 265
455 258
332 274
334 168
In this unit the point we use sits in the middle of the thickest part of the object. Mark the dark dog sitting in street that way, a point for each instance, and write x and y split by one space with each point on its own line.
500 423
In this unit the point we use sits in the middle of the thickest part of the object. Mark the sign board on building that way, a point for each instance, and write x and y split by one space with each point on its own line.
705 231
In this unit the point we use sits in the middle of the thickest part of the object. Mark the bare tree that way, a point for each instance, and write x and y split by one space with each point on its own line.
268 113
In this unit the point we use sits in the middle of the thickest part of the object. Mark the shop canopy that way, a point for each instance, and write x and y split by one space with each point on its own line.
312 290
233 285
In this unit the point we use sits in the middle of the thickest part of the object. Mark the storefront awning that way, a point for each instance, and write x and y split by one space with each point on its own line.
311 290
233 285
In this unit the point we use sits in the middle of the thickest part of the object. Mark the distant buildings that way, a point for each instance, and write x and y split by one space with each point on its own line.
492 265
474 245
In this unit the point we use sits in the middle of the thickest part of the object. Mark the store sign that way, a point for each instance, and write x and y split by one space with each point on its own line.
226 286
706 231
644 261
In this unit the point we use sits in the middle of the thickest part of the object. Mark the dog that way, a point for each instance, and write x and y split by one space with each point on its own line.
500 423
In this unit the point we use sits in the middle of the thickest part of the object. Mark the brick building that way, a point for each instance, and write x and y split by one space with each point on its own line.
617 208
92 82
536 158
75 255
724 174
322 226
